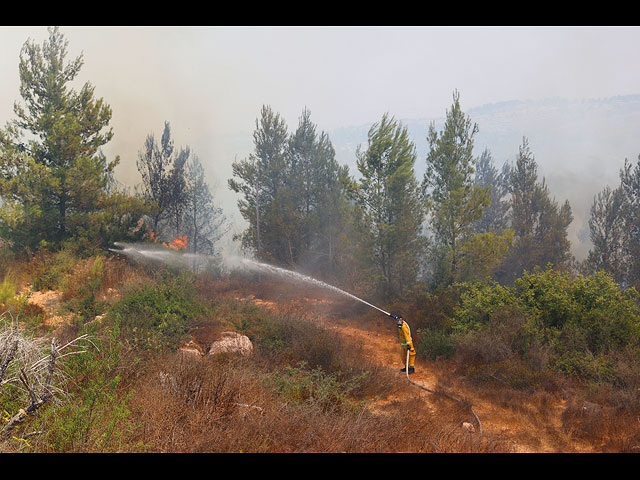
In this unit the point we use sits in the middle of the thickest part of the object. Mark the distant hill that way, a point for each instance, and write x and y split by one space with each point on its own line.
579 145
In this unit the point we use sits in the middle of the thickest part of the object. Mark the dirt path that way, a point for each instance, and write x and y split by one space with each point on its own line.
523 424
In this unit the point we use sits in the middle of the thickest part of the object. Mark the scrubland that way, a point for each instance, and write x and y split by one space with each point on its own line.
323 376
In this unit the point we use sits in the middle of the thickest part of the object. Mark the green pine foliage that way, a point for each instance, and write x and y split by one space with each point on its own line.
455 201
293 195
389 209
539 223
53 178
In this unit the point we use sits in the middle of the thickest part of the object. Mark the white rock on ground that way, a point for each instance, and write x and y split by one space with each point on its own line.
231 342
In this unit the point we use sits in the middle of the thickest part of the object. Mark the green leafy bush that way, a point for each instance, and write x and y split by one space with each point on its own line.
435 343
479 302
51 270
593 309
95 415
158 316
578 321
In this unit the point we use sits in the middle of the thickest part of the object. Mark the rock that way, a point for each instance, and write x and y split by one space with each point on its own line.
231 342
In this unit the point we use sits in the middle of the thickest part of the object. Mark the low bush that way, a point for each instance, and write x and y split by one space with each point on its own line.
434 344
546 322
157 317
313 388
95 415
49 270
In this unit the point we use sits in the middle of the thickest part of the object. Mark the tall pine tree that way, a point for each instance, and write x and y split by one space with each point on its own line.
267 202
203 222
495 216
389 207
319 195
163 184
540 224
454 201
608 232
615 229
53 177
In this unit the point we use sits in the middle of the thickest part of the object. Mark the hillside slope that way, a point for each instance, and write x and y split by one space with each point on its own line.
512 421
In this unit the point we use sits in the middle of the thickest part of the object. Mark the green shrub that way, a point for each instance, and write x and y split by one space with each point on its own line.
478 303
315 388
51 270
434 343
83 301
574 322
426 310
94 416
157 317
547 296
609 316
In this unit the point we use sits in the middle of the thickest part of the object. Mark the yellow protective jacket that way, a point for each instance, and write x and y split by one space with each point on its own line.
404 335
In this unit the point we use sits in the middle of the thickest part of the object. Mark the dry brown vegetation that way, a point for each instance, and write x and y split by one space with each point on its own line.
323 378
208 406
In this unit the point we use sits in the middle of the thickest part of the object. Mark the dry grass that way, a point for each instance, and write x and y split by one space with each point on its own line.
191 405
612 429
182 400
229 404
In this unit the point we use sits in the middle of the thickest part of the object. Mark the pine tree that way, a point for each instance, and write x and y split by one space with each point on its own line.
539 223
248 181
333 211
495 216
163 185
267 202
454 201
302 166
630 185
607 232
204 223
389 208
53 176
318 195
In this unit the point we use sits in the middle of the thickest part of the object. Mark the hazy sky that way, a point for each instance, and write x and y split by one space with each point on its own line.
210 82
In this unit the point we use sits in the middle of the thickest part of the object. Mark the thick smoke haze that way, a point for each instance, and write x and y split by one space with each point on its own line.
210 83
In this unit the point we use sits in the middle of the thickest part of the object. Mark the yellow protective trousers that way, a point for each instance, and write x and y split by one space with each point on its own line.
404 335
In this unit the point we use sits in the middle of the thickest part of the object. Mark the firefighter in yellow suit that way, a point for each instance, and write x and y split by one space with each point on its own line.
404 335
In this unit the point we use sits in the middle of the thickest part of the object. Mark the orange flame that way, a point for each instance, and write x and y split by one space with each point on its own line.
179 243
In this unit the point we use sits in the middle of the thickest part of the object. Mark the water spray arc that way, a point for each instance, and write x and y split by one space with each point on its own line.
294 275
187 260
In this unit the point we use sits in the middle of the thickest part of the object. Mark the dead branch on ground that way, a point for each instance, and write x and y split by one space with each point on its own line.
25 365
